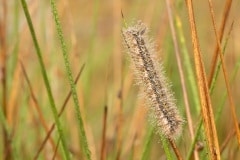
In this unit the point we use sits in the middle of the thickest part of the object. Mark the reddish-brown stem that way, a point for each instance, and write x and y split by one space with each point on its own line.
180 68
206 106
230 97
103 146
59 114
119 125
55 152
221 31
3 77
38 108
117 62
226 141
175 149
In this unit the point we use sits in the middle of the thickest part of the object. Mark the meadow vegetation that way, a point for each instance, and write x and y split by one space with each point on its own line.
68 91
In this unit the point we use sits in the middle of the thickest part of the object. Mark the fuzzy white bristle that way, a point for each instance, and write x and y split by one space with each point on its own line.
150 75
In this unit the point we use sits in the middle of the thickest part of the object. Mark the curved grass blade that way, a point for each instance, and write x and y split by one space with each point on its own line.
82 134
45 78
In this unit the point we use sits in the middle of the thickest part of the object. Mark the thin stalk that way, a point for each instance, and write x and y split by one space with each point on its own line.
103 145
45 78
187 64
182 79
189 155
212 87
233 76
82 135
3 70
215 75
147 145
227 140
166 147
206 106
38 108
6 127
221 32
175 149
230 97
59 115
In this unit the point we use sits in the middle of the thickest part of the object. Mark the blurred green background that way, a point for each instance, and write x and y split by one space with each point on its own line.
92 31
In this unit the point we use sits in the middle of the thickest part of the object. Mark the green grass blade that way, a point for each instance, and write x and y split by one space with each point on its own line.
234 74
45 78
4 121
218 67
165 145
194 140
187 63
82 134
147 145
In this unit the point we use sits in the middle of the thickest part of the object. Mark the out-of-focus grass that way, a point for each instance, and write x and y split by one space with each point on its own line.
88 28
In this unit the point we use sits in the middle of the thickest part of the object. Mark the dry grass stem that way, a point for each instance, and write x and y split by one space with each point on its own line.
56 149
175 149
228 138
207 113
180 68
37 107
221 32
232 105
59 114
3 75
103 146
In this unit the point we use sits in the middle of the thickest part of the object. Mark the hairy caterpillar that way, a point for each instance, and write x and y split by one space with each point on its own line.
149 75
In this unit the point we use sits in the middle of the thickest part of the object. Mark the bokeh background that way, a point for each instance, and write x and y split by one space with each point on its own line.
92 31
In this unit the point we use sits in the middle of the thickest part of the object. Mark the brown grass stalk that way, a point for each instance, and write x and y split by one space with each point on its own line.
103 145
3 76
118 73
133 146
56 149
14 94
232 105
227 139
138 117
221 32
37 107
175 149
59 114
119 123
180 68
207 113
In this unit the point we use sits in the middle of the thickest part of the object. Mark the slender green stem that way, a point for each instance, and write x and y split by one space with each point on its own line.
187 64
165 145
82 134
194 140
3 121
218 66
223 100
45 78
147 145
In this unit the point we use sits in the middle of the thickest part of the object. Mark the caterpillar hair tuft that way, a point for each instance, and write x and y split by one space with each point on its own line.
150 75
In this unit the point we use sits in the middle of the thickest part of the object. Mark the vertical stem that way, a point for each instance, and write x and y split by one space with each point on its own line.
180 68
207 112
3 76
118 72
46 81
103 146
